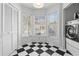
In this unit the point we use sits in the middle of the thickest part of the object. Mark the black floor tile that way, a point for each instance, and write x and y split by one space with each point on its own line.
39 51
46 43
55 47
20 50
15 55
33 42
40 42
40 46
29 51
25 45
60 52
68 52
50 51
32 45
48 46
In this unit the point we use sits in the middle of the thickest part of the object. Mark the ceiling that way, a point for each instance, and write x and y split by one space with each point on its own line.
46 5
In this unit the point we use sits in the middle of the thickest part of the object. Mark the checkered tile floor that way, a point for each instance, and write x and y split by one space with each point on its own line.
40 49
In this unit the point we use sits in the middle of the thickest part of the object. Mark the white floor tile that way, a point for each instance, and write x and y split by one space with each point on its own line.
44 48
62 49
23 53
15 52
20 47
27 47
44 54
35 48
36 44
55 54
66 54
53 49
43 44
33 54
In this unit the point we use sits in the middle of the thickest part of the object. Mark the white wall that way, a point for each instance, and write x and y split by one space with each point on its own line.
28 13
25 13
39 12
35 12
57 41
0 29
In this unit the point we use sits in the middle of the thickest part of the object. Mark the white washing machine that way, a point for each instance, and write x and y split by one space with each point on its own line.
72 30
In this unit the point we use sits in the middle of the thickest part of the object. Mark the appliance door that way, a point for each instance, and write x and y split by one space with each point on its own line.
71 32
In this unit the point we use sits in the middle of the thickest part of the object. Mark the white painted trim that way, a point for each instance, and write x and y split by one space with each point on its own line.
18 23
63 28
68 4
1 27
